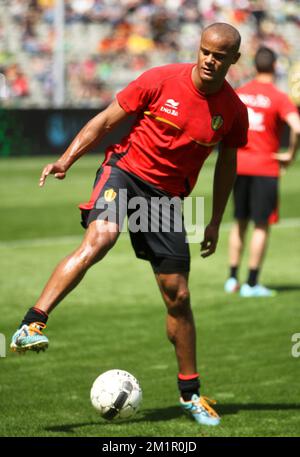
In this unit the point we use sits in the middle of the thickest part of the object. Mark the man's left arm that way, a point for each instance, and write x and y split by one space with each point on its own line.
224 177
286 158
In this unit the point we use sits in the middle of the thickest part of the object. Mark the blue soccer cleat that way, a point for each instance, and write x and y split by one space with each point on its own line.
231 285
256 291
199 408
29 338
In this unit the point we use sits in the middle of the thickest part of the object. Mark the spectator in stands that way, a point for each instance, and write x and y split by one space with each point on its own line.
134 35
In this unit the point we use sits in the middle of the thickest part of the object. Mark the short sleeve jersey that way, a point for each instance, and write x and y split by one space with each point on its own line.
267 109
176 127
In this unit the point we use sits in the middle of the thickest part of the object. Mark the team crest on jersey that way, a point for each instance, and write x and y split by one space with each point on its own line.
217 122
110 195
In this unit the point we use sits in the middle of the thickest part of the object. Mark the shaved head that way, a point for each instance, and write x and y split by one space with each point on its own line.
219 49
225 33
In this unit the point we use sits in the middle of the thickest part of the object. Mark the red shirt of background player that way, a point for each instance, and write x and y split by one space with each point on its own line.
267 109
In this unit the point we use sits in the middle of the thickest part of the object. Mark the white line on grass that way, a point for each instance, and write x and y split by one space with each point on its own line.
61 240
292 222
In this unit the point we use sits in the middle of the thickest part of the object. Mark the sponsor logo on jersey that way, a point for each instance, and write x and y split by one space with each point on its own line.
110 195
217 122
255 101
170 107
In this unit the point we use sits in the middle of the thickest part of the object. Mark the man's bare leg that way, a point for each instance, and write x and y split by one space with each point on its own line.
236 246
236 242
180 322
98 240
182 334
258 245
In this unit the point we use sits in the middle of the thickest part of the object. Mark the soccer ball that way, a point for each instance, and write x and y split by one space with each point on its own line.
116 394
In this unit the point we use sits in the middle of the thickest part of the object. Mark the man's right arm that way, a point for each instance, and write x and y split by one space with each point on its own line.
88 137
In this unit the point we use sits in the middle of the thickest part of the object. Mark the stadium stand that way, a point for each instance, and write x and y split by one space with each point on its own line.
110 42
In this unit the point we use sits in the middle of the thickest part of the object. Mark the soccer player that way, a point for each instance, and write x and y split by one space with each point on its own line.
183 111
258 168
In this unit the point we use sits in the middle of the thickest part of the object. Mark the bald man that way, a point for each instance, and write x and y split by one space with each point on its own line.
183 111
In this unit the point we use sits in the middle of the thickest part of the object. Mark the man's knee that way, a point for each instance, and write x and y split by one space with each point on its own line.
263 226
97 242
181 305
183 297
178 310
177 296
241 226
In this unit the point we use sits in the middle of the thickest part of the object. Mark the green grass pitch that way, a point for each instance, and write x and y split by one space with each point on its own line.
116 319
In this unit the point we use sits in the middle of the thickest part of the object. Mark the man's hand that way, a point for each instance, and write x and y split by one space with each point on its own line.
284 158
209 244
57 169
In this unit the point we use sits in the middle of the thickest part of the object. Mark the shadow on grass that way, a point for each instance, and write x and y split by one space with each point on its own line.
151 415
173 412
285 287
234 408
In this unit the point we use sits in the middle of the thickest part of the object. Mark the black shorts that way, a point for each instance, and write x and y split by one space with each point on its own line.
256 198
155 219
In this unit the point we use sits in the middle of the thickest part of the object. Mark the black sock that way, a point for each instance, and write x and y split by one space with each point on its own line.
252 278
233 272
34 315
188 386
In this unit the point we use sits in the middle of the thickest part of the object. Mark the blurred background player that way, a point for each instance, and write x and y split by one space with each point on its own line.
259 162
161 156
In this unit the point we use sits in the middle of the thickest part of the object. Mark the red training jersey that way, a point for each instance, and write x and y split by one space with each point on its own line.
176 128
268 107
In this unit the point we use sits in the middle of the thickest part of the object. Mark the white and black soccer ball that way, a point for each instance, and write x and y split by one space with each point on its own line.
116 394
